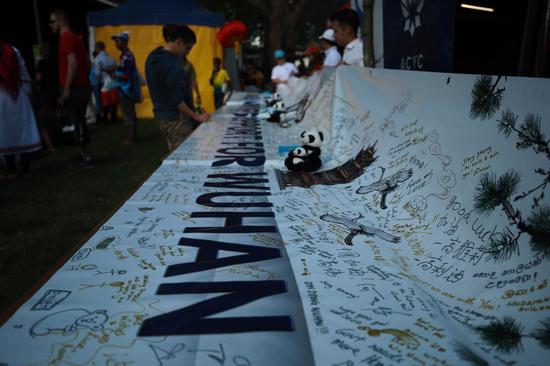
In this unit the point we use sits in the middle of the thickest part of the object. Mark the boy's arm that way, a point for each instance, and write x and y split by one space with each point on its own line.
184 108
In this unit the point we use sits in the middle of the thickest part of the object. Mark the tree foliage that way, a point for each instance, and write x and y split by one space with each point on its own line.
283 21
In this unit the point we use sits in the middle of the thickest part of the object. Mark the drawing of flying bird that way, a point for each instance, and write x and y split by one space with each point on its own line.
386 185
359 229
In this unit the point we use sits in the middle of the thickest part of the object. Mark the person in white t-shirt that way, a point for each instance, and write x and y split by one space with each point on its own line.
328 45
282 72
345 24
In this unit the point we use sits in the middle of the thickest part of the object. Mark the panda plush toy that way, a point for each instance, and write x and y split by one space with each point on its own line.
312 141
275 97
296 159
266 112
308 157
278 115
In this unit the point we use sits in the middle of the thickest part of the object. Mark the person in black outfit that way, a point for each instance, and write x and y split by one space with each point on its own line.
172 98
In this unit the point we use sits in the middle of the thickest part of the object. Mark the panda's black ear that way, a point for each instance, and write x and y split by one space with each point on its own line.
311 138
321 135
302 134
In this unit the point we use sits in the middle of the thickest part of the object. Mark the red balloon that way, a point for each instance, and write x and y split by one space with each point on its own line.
233 31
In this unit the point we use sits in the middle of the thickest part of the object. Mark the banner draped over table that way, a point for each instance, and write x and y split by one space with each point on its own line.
224 258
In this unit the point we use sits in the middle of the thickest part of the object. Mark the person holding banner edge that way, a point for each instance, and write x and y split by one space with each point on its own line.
167 80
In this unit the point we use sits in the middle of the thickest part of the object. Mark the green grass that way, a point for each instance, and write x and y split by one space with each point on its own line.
45 216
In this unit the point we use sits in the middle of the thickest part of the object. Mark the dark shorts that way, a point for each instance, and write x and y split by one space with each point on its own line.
74 110
175 131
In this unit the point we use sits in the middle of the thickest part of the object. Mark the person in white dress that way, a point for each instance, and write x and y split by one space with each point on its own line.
328 45
282 72
345 24
18 130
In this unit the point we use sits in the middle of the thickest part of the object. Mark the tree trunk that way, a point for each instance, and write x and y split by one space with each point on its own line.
276 24
290 22
368 36
275 29
282 25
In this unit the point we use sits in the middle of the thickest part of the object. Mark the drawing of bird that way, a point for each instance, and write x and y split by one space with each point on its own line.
386 185
359 229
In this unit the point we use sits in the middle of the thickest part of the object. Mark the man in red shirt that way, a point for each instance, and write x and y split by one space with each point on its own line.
74 68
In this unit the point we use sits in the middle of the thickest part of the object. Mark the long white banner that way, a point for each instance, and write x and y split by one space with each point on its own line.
190 271
423 238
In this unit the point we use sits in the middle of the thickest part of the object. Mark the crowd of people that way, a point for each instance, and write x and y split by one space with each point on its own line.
64 87
339 43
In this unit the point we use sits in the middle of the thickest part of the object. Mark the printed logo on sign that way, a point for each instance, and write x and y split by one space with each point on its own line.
411 11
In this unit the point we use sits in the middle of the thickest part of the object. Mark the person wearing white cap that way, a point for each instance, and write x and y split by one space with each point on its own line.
328 45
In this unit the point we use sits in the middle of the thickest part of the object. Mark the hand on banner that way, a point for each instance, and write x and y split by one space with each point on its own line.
202 117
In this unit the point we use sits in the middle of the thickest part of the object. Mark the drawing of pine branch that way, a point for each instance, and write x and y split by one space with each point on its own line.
542 187
493 192
506 335
529 136
501 249
539 224
542 334
486 97
466 354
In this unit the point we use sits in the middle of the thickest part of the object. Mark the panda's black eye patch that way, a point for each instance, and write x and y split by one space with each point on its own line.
311 138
